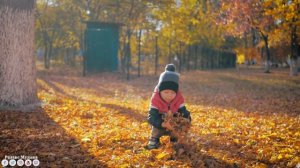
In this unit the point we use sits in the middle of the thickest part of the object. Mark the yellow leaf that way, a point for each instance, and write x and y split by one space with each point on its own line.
273 159
65 108
161 155
236 141
288 156
125 165
85 139
294 162
128 151
144 124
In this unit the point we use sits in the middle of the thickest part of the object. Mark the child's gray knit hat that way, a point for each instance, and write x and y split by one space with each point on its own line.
168 79
170 67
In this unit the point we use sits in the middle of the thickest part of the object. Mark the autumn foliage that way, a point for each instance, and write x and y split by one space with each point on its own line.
239 119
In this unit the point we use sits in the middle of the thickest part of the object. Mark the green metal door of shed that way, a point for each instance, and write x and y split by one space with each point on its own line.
101 47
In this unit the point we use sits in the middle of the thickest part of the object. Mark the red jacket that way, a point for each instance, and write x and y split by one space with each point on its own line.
162 106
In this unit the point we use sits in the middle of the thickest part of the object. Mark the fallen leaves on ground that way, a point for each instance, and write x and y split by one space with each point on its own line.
239 119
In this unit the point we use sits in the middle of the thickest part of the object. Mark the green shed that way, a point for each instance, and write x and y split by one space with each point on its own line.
101 43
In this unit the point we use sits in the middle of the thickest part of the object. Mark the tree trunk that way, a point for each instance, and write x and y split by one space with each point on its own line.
139 54
66 56
294 52
123 55
169 52
189 57
218 59
46 62
46 40
196 57
128 54
180 57
246 48
69 57
17 65
84 55
184 57
156 55
267 64
298 58
201 58
49 54
262 56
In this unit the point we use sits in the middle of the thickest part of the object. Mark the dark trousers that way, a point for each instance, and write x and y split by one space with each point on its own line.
157 133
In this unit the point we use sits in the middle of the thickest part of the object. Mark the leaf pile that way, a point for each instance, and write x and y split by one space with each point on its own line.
179 128
186 147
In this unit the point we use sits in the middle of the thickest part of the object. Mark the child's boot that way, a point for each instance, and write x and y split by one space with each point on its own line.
173 139
153 143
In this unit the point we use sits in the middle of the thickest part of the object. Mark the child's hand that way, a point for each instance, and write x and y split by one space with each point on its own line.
169 113
167 118
167 125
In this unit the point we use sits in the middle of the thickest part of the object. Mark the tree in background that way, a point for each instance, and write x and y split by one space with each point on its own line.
188 33
185 24
17 65
59 27
60 24
242 17
287 15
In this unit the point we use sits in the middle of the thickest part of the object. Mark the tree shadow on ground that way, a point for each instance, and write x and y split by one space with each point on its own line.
244 95
57 89
92 85
231 150
259 92
235 92
106 85
126 111
200 159
36 134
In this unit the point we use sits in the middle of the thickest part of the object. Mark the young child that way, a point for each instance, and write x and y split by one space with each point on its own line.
166 97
